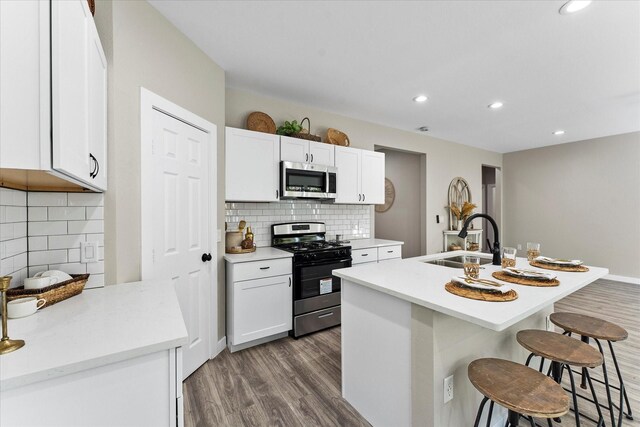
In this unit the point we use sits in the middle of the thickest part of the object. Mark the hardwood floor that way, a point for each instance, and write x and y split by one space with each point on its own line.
297 382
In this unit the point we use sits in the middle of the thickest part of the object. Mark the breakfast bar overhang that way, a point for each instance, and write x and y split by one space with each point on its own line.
403 334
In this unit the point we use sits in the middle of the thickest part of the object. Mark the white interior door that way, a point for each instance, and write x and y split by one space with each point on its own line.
181 227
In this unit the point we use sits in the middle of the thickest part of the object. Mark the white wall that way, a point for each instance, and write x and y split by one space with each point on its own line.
445 160
143 49
579 200
403 220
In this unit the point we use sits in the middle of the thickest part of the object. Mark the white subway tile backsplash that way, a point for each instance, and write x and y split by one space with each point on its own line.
56 224
76 227
15 214
48 257
351 221
94 212
86 199
38 213
47 228
47 199
38 243
66 242
66 213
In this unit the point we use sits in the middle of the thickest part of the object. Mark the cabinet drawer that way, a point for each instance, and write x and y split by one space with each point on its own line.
389 252
261 269
360 256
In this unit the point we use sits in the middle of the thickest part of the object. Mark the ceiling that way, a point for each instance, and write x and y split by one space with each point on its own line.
368 59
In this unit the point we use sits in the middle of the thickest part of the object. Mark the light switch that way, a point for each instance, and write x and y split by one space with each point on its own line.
88 252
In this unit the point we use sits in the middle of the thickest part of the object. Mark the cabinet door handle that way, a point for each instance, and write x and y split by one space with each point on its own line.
306 159
97 168
389 252
206 257
264 268
364 255
92 172
312 158
276 194
289 281
359 197
363 197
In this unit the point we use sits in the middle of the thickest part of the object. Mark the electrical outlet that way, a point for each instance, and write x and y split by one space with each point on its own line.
519 247
448 388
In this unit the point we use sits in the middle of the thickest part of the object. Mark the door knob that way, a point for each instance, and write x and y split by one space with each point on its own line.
206 257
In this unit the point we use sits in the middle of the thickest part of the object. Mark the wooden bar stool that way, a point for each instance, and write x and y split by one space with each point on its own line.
597 329
522 390
563 352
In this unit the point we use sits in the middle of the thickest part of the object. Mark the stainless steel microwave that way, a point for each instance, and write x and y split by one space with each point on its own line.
307 181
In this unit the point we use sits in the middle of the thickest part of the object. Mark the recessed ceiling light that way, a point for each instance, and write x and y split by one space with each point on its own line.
495 105
420 98
558 132
573 6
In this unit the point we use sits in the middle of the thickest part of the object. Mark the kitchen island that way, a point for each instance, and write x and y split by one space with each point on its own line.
109 356
403 334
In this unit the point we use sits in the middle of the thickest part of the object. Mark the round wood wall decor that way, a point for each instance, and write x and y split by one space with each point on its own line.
389 196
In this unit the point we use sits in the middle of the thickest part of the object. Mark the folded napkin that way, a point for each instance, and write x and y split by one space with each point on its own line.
555 261
460 280
529 274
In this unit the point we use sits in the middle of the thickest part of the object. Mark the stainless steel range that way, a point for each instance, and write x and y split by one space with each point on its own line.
316 292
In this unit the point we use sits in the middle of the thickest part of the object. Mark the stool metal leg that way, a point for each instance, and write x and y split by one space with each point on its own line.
484 401
583 381
573 395
490 414
513 418
606 384
623 390
595 399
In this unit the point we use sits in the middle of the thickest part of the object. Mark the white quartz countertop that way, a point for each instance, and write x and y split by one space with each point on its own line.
372 243
423 284
261 254
96 328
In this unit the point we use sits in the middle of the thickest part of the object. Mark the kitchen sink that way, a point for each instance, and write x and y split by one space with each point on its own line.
455 261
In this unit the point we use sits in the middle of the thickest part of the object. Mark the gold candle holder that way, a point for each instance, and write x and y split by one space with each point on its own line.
7 345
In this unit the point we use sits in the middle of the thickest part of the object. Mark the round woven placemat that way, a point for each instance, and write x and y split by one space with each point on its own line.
501 275
575 269
464 292
261 122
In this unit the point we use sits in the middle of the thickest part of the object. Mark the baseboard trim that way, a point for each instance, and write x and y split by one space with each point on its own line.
624 279
221 345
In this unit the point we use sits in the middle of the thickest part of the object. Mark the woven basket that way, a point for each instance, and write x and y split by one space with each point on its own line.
337 137
54 293
304 135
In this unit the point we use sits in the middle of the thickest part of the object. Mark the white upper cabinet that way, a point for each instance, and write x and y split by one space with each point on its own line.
360 176
348 162
24 85
53 85
252 165
97 64
70 87
303 151
372 186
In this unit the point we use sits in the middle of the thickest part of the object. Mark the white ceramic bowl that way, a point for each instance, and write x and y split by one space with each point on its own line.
39 282
60 275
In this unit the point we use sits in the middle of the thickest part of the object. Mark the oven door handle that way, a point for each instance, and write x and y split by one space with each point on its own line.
326 262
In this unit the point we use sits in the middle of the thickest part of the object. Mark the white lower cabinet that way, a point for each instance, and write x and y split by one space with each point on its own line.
259 301
143 391
375 254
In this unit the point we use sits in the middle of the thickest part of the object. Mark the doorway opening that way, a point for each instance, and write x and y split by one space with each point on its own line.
405 219
491 202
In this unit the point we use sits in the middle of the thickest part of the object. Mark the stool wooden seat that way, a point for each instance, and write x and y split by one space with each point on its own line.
588 326
518 388
559 348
